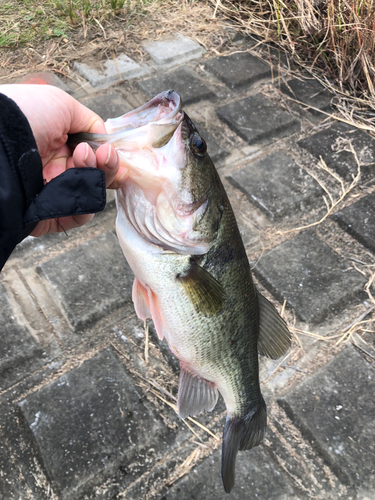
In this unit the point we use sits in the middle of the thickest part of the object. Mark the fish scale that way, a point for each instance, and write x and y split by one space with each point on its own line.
192 275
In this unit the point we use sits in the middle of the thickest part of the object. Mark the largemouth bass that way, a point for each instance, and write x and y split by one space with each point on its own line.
179 235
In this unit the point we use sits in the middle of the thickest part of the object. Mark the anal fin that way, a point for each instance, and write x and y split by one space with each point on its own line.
195 394
241 434
274 336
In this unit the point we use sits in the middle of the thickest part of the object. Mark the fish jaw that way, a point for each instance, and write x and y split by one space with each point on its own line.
163 109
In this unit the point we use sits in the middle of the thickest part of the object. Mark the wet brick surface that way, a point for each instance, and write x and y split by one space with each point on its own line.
88 288
313 279
255 473
11 487
238 69
358 220
25 346
333 145
182 80
324 405
277 185
87 422
257 120
310 92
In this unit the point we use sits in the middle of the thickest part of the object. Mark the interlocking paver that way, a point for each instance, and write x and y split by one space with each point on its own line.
111 71
310 276
88 421
182 80
238 70
335 409
173 50
108 105
255 473
358 220
91 279
333 145
257 120
310 92
277 185
305 466
25 344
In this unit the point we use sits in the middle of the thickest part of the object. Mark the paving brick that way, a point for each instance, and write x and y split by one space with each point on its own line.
237 70
257 120
255 473
25 341
214 149
45 78
335 411
172 50
333 146
107 105
91 279
277 185
310 276
110 71
88 423
11 485
358 220
305 466
310 92
183 80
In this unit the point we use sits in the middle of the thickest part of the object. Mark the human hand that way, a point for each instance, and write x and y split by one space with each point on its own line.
52 115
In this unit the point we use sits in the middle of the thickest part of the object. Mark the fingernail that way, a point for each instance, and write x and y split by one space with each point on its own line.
121 181
87 152
111 161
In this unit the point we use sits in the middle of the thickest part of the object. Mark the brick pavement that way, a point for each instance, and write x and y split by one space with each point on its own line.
84 414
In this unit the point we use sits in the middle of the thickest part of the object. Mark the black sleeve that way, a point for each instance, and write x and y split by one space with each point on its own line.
24 199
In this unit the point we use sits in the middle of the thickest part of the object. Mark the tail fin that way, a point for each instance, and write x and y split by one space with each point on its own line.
241 434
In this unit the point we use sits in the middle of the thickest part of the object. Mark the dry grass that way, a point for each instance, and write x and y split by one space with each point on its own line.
332 38
99 32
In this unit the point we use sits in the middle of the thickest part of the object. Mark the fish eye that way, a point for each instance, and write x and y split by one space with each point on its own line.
198 145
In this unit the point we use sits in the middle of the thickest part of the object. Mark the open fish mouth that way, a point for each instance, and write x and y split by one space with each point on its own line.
162 109
152 124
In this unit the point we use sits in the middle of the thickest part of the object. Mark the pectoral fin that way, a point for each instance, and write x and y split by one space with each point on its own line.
155 313
205 292
195 394
140 300
274 336
146 306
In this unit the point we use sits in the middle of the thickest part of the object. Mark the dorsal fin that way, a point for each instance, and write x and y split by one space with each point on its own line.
205 292
274 336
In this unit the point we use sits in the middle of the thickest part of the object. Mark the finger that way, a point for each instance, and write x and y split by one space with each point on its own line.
120 179
83 156
84 120
57 164
108 161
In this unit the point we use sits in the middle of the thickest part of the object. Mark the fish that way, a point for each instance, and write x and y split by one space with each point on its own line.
178 232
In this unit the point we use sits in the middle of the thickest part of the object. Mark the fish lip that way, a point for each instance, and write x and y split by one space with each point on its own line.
145 114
